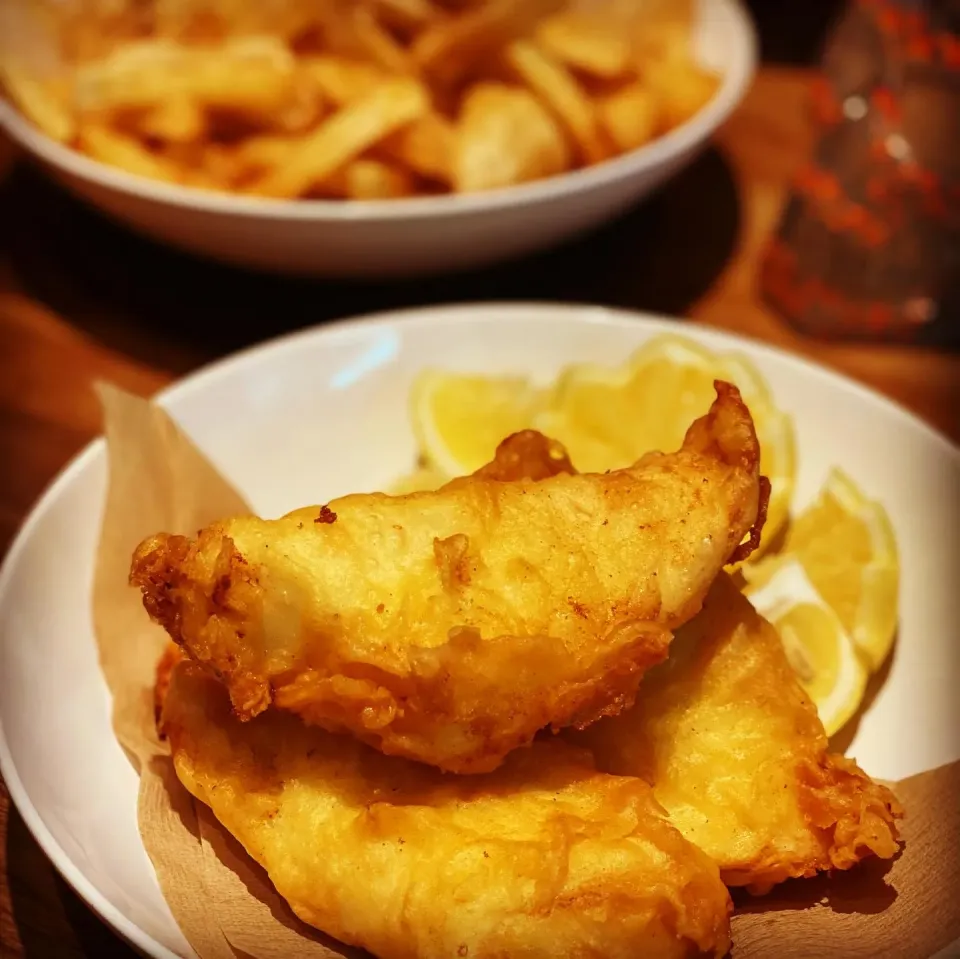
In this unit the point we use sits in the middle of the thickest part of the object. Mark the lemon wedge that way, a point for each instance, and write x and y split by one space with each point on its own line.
818 647
607 418
460 420
846 546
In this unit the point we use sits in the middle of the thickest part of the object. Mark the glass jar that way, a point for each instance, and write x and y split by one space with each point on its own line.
868 244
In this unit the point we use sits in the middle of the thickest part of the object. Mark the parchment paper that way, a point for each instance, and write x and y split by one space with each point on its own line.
223 901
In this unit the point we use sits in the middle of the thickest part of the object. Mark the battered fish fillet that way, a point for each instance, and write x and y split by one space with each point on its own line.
738 757
450 626
543 858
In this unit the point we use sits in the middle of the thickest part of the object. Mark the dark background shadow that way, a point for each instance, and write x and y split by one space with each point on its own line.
863 890
167 308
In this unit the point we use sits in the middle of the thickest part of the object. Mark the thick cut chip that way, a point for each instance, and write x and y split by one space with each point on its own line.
306 107
410 13
367 179
208 76
630 116
251 75
593 44
556 87
361 179
504 137
682 90
255 155
126 153
450 626
177 120
213 20
377 43
342 79
425 147
344 136
738 758
544 858
38 101
451 48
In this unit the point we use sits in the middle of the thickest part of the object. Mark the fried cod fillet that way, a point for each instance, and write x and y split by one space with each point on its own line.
450 626
543 858
738 757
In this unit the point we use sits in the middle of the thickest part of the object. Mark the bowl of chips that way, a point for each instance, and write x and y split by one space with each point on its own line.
368 137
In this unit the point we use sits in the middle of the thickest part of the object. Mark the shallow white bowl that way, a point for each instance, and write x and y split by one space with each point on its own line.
258 416
412 236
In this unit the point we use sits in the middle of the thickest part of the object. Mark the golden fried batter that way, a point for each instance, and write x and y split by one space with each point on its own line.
450 626
527 455
543 859
738 757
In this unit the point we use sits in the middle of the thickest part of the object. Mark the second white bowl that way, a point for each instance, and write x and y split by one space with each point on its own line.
409 236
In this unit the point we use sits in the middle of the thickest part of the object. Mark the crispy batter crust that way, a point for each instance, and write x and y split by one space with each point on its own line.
738 756
450 626
544 858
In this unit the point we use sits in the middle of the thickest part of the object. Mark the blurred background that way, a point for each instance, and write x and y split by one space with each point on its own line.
105 278
793 33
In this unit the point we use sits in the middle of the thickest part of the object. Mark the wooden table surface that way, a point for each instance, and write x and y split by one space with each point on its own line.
81 298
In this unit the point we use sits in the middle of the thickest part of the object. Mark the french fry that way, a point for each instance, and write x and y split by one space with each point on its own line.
250 76
362 179
682 90
368 179
554 84
307 105
222 166
300 97
410 13
660 43
345 135
188 159
177 120
343 80
425 146
631 116
257 154
214 20
126 153
38 102
378 44
587 43
450 48
505 136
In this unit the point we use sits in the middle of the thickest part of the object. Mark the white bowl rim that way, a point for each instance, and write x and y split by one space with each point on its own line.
536 311
676 142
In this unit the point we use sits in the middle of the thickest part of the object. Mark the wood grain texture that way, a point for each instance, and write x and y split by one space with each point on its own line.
82 299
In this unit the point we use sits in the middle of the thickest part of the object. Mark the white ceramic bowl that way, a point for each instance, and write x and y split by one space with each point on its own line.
412 236
256 415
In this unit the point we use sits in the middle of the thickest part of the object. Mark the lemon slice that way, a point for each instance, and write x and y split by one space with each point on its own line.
848 551
608 417
819 648
460 420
